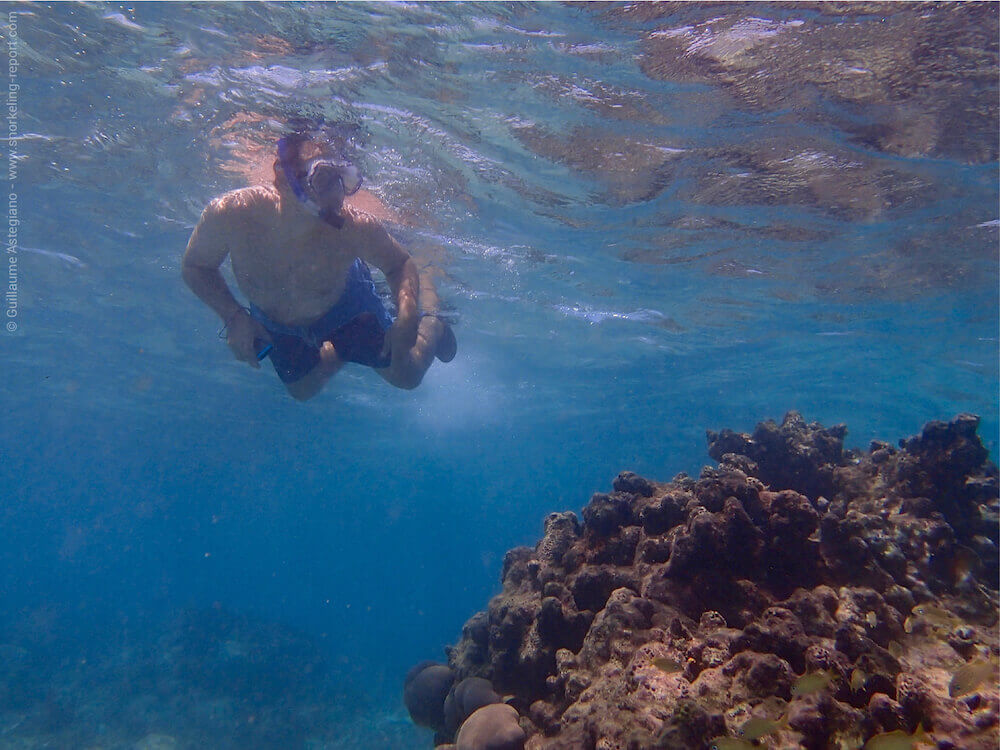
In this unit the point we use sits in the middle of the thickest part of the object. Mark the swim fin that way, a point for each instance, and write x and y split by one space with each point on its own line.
447 346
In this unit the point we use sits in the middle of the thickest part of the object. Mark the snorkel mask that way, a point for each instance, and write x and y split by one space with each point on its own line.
320 184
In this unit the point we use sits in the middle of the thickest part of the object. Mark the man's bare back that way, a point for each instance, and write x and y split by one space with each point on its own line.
294 267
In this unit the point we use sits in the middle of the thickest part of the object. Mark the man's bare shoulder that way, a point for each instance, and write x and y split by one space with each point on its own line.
373 241
362 221
244 205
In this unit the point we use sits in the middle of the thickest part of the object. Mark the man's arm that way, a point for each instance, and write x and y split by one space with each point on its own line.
206 250
401 273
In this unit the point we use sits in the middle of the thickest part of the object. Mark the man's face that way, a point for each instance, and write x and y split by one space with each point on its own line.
320 183
325 185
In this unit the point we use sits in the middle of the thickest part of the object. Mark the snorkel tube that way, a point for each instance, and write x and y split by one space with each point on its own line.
288 156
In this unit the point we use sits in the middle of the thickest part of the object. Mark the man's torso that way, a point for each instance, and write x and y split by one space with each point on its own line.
293 269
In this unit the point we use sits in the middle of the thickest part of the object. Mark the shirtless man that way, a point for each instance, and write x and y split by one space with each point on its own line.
299 255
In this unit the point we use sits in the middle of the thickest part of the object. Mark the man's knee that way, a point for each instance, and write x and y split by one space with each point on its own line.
407 380
301 391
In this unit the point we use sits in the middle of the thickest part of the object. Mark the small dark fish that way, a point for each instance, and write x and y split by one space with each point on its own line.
813 682
965 564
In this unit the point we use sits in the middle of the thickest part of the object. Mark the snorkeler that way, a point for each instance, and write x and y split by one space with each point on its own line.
301 255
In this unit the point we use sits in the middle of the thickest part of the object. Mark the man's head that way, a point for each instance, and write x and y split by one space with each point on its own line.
318 181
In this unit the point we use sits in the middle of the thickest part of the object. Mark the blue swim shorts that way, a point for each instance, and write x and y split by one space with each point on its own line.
356 324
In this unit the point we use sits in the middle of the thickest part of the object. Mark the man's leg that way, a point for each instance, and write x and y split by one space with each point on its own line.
313 381
408 368
307 386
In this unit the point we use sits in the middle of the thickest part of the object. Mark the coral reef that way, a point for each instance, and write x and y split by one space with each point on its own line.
492 727
828 594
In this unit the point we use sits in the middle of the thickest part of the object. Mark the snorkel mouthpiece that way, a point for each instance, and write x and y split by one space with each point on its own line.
350 178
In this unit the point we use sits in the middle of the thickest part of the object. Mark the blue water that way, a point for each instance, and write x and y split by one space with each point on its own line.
636 248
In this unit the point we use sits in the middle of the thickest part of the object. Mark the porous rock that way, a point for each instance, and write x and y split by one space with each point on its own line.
677 610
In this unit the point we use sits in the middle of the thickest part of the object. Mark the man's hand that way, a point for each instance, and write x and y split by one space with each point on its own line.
329 360
401 273
241 332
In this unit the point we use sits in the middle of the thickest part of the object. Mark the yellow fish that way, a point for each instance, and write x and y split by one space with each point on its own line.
754 729
813 682
730 743
936 616
896 648
857 679
899 740
872 619
668 665
970 676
